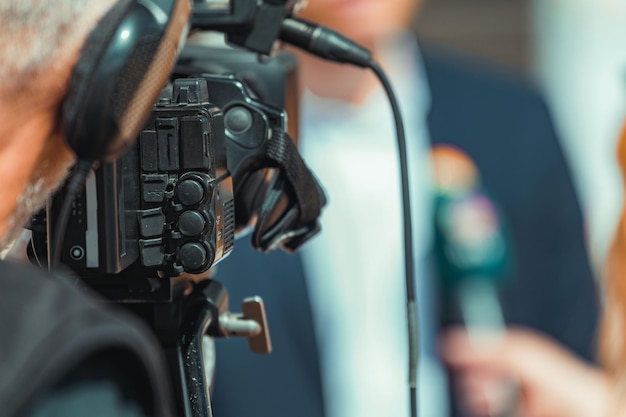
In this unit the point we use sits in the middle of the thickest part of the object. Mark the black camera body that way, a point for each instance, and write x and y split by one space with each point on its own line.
186 215
167 206
214 159
167 203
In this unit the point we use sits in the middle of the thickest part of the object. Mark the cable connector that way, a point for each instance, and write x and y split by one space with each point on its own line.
324 42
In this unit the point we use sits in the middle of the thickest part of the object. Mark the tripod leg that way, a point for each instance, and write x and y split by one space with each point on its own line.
194 375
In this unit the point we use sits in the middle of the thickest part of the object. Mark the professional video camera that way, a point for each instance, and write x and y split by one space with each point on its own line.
197 174
213 160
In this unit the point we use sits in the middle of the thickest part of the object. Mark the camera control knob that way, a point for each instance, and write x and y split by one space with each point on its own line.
193 256
238 120
191 223
190 192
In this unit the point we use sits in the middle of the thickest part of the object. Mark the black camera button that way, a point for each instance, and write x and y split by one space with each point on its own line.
191 223
151 251
190 192
238 120
151 222
193 256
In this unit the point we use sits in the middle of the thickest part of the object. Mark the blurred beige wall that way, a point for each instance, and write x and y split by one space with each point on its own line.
495 29
580 59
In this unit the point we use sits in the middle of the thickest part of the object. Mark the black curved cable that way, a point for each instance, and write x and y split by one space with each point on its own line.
332 46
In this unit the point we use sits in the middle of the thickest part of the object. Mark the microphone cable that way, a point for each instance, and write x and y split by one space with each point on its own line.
332 46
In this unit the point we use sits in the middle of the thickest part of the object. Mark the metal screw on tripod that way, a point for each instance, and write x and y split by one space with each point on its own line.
252 323
234 324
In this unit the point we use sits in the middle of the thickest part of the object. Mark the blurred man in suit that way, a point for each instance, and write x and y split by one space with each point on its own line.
336 310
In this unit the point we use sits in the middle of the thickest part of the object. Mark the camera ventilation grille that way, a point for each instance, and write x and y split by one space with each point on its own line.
229 228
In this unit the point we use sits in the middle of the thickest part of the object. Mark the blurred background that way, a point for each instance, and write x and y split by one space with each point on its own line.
575 50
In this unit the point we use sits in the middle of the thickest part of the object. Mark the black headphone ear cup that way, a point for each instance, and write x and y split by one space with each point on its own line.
125 63
74 120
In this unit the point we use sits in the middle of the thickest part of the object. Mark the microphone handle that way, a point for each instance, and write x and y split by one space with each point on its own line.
482 315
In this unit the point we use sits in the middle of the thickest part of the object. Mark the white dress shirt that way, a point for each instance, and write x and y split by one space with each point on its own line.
355 269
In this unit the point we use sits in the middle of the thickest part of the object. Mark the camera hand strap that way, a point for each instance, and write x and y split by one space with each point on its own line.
289 215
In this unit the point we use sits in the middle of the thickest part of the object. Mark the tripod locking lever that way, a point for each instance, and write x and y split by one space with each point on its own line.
251 323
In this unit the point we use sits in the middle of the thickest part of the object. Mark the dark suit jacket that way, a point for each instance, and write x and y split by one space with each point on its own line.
504 126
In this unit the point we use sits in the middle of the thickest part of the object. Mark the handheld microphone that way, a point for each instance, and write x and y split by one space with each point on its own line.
473 257
470 244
